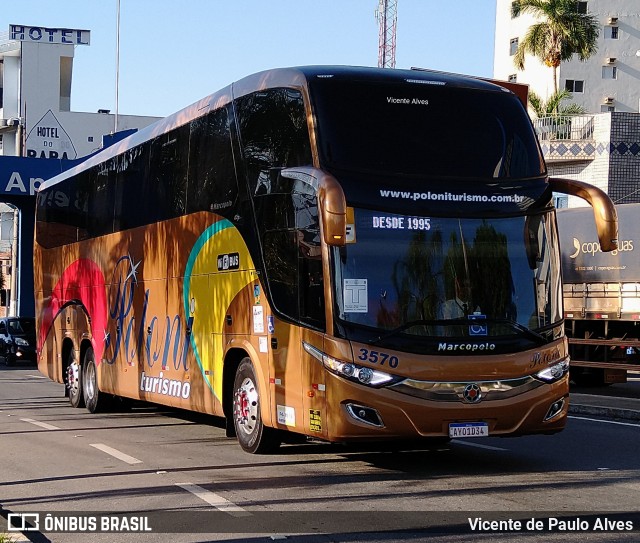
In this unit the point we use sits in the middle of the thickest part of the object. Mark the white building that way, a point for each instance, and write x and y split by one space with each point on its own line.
608 81
36 67
36 127
601 147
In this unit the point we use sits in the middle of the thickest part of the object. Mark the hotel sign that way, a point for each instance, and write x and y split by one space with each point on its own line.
40 34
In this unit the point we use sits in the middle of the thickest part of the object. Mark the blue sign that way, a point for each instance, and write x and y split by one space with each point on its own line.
479 329
21 176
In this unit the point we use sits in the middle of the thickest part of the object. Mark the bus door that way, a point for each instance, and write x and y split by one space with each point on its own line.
294 268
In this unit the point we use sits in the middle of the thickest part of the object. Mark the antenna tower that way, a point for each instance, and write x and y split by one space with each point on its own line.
387 16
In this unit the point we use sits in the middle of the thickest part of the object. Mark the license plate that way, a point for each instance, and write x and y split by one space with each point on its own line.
468 429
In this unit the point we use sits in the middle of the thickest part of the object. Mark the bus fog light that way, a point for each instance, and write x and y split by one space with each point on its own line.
365 414
555 409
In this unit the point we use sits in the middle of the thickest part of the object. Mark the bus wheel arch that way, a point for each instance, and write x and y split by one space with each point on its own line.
72 374
253 436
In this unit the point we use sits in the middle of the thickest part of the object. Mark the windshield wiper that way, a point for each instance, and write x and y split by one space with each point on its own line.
411 324
531 334
471 321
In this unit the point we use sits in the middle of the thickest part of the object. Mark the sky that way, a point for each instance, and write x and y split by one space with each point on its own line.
175 52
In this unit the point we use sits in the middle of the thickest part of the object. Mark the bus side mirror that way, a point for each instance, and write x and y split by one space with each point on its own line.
604 211
333 207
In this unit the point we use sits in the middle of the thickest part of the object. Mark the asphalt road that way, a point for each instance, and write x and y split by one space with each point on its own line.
182 474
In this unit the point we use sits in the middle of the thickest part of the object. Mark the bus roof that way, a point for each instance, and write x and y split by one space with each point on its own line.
278 77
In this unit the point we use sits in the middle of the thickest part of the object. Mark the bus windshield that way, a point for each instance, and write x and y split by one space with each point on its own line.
404 127
426 277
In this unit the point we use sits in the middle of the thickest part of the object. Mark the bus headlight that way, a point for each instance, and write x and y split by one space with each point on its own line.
555 372
351 371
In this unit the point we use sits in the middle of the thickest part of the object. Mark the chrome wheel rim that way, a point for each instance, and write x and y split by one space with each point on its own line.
90 381
246 407
73 378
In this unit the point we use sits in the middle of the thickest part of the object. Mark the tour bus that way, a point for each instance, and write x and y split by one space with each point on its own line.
339 253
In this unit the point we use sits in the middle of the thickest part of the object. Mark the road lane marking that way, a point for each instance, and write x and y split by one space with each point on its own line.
479 445
116 453
220 503
41 424
606 421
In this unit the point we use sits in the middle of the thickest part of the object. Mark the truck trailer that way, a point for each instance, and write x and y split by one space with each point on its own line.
601 292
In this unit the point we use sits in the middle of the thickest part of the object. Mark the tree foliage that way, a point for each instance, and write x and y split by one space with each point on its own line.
553 104
560 33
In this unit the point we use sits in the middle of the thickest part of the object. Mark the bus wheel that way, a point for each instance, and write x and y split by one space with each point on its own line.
74 380
252 434
94 399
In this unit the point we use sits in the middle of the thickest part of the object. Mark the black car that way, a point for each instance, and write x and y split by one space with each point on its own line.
17 340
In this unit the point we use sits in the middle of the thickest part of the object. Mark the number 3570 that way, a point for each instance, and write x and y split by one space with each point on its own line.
378 357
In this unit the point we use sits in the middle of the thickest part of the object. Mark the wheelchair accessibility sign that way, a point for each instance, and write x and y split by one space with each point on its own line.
480 328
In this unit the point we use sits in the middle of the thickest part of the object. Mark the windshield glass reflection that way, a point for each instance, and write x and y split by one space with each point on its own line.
432 276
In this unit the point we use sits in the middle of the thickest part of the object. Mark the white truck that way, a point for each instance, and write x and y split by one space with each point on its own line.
601 296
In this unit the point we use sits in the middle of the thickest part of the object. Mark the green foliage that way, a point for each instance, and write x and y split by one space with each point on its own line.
561 33
553 104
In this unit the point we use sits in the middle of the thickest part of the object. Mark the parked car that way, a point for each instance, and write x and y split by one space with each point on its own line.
17 340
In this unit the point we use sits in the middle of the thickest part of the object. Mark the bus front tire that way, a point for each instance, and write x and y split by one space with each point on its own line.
95 400
253 436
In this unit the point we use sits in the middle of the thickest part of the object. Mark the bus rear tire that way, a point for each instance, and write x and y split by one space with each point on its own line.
254 437
95 400
73 380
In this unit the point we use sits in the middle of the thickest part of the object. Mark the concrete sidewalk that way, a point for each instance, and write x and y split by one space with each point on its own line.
605 406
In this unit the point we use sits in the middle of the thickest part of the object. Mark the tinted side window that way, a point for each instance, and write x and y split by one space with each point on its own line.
292 254
62 211
273 133
101 200
132 204
166 189
212 179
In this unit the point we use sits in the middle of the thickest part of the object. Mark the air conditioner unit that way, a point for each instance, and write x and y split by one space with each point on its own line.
611 60
608 100
612 21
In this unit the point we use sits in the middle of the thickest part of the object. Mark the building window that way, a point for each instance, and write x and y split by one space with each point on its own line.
609 72
604 108
561 202
513 46
513 78
573 85
514 6
610 33
581 7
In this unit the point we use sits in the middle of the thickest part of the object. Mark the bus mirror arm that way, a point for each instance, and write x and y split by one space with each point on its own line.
331 201
604 211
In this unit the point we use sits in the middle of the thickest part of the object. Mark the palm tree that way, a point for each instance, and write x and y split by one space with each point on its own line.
561 32
555 120
552 106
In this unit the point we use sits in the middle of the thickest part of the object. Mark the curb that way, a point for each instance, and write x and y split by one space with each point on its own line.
615 413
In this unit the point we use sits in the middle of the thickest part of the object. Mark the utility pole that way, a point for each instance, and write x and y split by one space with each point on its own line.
387 16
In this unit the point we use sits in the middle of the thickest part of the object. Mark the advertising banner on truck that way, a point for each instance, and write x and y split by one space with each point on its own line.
582 259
